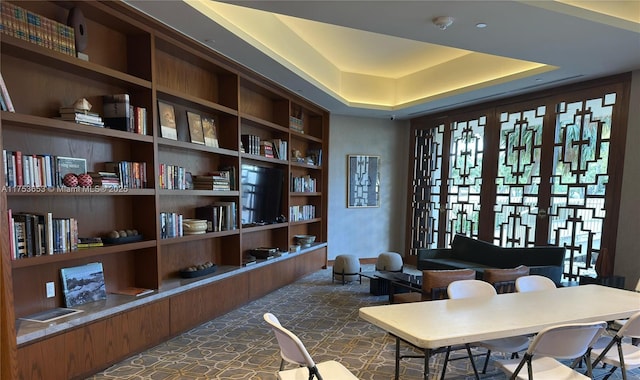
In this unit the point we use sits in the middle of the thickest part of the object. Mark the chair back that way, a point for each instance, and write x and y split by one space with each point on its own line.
504 280
435 282
291 348
534 283
568 341
631 327
470 289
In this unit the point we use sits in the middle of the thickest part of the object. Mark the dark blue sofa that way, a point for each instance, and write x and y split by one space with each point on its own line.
476 254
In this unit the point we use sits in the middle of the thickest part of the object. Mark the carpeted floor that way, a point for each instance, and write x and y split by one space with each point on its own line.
324 315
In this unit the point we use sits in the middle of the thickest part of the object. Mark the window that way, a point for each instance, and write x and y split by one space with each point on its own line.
524 172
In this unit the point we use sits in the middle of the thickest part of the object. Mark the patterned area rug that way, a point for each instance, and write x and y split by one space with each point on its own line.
324 315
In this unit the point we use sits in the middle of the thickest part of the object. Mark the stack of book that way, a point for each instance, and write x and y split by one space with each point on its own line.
105 179
81 116
266 149
217 181
90 242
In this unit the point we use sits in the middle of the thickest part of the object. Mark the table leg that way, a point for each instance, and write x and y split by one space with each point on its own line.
427 355
397 374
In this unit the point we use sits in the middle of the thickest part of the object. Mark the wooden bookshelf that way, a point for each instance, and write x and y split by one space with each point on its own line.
134 54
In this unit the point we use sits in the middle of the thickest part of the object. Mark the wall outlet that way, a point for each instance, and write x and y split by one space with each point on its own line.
51 290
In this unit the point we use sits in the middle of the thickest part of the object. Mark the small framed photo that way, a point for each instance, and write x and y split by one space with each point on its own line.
210 133
167 115
195 128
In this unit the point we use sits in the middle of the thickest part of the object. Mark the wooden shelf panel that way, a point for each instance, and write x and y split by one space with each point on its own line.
81 254
76 192
59 61
179 97
12 119
187 238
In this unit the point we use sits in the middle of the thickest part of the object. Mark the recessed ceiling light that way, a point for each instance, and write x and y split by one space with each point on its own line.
481 25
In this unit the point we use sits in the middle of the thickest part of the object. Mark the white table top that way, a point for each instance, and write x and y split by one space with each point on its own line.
434 324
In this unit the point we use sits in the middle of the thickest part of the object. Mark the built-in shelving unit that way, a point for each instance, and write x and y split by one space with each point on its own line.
133 54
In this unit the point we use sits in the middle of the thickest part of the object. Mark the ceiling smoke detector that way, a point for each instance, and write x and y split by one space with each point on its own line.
443 22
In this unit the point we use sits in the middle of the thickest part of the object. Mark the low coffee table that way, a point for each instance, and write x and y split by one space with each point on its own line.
382 283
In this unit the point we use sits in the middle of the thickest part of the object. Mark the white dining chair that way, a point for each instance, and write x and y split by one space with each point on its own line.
479 288
555 343
533 283
292 350
625 356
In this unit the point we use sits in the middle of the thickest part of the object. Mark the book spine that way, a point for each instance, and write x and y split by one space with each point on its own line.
5 95
20 238
19 171
49 244
12 233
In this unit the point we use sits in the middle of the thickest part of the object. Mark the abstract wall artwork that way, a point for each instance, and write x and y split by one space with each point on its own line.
364 181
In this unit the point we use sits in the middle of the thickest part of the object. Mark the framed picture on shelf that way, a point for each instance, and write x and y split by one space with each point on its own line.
210 133
167 115
83 284
363 189
195 128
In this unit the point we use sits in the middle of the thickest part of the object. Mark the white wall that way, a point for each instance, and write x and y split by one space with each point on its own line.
628 242
365 232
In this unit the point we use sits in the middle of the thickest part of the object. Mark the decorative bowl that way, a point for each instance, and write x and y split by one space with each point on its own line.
194 226
305 240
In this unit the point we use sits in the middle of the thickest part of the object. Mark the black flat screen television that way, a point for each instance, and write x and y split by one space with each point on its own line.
261 189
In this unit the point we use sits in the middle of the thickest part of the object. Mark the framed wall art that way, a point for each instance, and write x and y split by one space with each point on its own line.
363 188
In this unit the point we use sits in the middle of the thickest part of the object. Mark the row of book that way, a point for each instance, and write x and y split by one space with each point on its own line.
33 235
217 181
172 177
35 170
120 114
304 184
18 22
274 148
220 216
171 225
132 174
302 212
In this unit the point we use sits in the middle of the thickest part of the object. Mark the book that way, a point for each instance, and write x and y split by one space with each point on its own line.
167 115
83 284
66 165
116 111
5 95
133 291
195 128
210 133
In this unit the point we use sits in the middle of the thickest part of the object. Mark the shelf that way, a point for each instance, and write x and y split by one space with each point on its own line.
305 166
59 61
11 119
203 193
305 194
75 192
81 254
308 221
196 237
195 147
253 157
265 227
135 54
178 97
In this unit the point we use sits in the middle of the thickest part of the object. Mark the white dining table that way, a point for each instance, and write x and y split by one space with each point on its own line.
432 325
